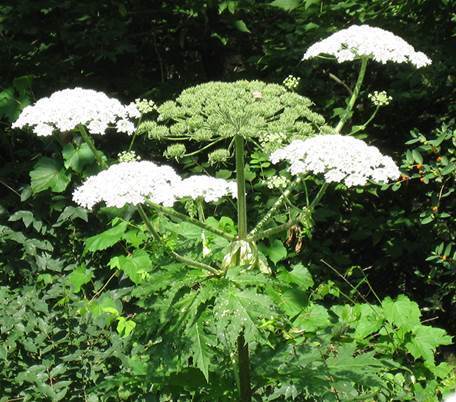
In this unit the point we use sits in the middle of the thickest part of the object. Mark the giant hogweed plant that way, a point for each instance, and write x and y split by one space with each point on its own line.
221 309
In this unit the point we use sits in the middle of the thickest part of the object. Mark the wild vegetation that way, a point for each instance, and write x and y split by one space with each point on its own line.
227 200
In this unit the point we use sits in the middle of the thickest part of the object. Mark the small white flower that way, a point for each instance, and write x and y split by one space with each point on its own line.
65 110
209 188
380 98
129 183
125 126
339 158
134 182
365 41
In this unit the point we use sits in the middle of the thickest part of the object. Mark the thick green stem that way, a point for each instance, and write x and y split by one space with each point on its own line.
355 94
88 140
274 208
185 260
173 213
245 388
241 196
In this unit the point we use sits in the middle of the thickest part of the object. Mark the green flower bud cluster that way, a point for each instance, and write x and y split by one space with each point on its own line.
277 182
128 156
145 105
152 130
291 82
175 151
252 109
218 156
380 98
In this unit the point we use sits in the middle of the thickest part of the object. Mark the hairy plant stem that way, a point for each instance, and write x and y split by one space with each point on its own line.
254 232
285 226
245 388
89 141
241 198
355 94
173 213
177 256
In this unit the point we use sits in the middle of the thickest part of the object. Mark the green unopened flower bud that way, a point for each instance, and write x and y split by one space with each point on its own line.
175 151
152 130
218 156
128 156
291 82
202 135
145 105
380 98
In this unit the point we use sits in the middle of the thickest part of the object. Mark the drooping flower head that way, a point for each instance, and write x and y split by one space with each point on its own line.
135 182
65 110
252 109
365 41
338 158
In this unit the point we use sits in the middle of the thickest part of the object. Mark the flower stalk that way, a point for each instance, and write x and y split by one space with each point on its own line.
88 140
245 390
351 103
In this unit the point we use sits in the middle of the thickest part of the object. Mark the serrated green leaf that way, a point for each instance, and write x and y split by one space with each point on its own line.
425 340
77 158
370 320
402 313
48 174
200 347
276 251
106 239
312 318
136 266
79 277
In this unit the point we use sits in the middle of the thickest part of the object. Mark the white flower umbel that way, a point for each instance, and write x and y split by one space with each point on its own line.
338 158
364 41
134 182
65 110
129 183
209 188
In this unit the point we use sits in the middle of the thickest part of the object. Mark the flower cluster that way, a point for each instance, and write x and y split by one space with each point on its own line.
206 187
136 181
380 98
279 182
175 151
365 41
128 156
291 82
220 155
339 158
145 106
65 110
252 109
